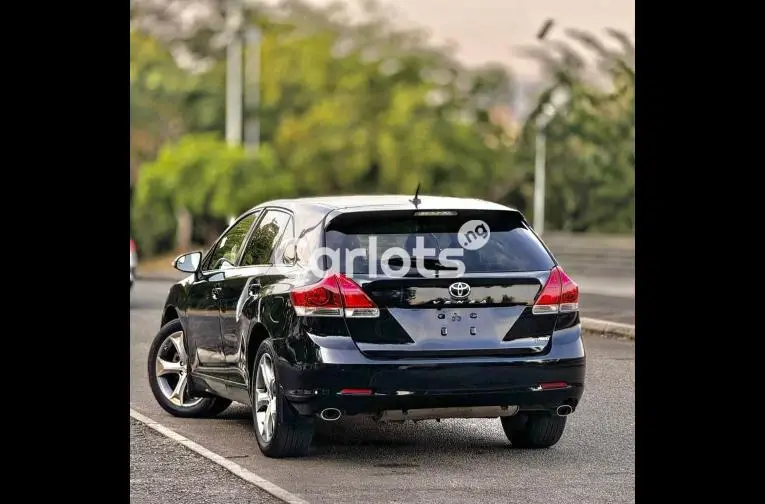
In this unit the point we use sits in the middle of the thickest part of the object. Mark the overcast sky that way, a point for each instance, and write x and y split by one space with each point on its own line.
487 30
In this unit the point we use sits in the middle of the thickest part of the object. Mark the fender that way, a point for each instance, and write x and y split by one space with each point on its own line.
176 297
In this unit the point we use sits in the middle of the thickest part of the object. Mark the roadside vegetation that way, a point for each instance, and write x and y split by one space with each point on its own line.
367 108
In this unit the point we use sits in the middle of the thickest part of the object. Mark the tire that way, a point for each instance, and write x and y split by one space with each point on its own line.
533 431
291 433
167 393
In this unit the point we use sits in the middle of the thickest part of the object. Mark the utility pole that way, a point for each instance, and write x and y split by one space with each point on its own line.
558 100
539 175
540 153
234 81
252 88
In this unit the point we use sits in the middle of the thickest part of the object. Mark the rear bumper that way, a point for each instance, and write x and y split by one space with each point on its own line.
403 387
432 383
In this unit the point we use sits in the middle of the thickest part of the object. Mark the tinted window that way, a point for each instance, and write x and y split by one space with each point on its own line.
510 247
264 238
228 247
284 252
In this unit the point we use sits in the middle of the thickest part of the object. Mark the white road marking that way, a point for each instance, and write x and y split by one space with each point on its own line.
233 467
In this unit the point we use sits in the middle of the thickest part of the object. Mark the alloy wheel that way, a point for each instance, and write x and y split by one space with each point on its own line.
265 398
172 374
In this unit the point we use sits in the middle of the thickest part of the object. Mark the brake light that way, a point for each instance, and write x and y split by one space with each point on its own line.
318 300
553 385
559 295
132 246
334 296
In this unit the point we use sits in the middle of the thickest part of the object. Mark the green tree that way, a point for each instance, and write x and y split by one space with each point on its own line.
371 108
195 184
180 186
591 161
166 101
362 108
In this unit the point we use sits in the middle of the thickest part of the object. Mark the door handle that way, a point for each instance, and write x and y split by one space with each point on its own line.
254 289
216 293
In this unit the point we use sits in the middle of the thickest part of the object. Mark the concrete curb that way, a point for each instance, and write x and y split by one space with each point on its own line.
608 329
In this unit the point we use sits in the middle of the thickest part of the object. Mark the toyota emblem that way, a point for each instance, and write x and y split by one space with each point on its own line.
459 290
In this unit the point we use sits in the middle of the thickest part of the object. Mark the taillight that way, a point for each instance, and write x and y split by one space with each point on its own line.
357 303
334 296
318 300
559 295
132 246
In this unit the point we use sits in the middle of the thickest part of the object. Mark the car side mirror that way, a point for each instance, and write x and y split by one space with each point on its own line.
188 263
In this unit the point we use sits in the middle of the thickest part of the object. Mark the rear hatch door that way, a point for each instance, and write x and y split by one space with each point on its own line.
470 292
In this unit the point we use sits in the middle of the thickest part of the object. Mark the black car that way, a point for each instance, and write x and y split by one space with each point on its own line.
390 326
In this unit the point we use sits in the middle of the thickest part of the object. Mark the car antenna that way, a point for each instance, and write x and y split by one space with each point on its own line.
416 200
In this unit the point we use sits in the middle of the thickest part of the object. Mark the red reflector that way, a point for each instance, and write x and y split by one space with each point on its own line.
356 391
553 385
559 295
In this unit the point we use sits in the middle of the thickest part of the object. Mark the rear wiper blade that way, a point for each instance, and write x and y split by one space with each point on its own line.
431 263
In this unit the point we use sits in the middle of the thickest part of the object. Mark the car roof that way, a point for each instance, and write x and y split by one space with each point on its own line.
384 202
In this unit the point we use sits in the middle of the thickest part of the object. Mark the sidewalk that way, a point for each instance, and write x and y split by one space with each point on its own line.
615 287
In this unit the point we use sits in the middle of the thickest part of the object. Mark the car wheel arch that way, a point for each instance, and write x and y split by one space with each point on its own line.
170 314
258 334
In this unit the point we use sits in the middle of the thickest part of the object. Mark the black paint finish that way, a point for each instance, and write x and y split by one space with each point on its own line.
226 314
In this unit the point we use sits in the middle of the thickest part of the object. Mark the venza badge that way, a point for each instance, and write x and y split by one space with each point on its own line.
459 290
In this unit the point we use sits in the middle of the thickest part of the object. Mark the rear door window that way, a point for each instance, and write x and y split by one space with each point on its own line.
264 238
227 249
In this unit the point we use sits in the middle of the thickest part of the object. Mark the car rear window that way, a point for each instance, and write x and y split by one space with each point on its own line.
510 246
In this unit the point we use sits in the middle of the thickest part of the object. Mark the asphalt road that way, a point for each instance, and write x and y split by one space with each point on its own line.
453 461
164 472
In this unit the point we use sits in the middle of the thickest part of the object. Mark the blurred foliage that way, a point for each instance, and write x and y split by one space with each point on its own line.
363 108
591 142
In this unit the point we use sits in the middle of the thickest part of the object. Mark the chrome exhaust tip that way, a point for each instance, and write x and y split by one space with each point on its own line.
564 410
330 414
